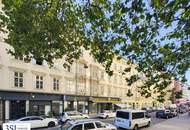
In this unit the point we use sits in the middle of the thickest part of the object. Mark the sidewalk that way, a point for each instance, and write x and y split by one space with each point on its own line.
183 123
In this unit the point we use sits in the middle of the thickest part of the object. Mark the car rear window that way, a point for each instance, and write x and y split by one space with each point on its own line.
121 114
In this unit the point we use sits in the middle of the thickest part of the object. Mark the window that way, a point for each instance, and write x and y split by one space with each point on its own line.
77 127
102 75
39 62
18 79
39 82
115 79
99 125
70 88
25 119
138 115
55 84
36 118
68 68
115 66
121 114
120 69
19 58
89 126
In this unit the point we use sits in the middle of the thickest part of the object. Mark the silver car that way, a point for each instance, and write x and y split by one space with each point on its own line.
87 124
73 115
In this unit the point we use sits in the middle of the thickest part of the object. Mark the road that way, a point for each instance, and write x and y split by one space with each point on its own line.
110 120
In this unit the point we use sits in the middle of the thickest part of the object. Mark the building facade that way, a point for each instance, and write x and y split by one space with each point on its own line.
32 88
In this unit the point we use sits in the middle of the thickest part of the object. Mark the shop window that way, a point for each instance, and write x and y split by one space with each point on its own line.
55 84
18 79
55 109
39 82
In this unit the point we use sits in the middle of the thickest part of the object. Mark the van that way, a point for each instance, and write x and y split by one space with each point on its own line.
132 119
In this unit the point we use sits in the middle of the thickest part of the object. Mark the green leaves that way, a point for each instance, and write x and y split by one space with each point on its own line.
152 35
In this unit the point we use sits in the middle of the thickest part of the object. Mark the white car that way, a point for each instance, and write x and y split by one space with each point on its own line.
37 121
73 115
106 114
132 119
87 124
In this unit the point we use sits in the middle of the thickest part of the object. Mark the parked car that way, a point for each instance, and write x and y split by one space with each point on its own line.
148 109
174 112
132 119
37 121
106 114
72 115
164 114
87 124
182 110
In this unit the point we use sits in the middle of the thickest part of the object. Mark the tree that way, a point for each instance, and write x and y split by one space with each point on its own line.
129 93
154 35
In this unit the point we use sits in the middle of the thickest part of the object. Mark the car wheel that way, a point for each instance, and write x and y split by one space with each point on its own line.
136 127
51 124
106 117
148 125
86 118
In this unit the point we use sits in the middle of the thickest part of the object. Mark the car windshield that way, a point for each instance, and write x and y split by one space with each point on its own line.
66 126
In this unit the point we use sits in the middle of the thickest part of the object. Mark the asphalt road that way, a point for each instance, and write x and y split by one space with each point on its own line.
110 120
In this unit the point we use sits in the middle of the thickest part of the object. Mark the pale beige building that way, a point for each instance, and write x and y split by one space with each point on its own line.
32 88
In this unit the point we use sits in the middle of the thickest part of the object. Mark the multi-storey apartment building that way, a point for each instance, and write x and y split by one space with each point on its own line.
34 88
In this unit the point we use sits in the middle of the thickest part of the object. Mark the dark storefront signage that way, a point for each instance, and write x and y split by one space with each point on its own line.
7 95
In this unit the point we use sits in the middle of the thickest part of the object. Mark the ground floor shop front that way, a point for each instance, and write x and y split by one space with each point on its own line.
14 105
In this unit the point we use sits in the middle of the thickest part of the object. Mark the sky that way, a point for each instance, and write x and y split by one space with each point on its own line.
188 77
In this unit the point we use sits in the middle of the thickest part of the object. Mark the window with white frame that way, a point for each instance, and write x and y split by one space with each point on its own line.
115 66
55 84
18 79
120 69
102 75
39 82
70 88
115 79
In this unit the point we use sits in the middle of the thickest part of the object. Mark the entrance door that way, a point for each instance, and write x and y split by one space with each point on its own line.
17 109
2 111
